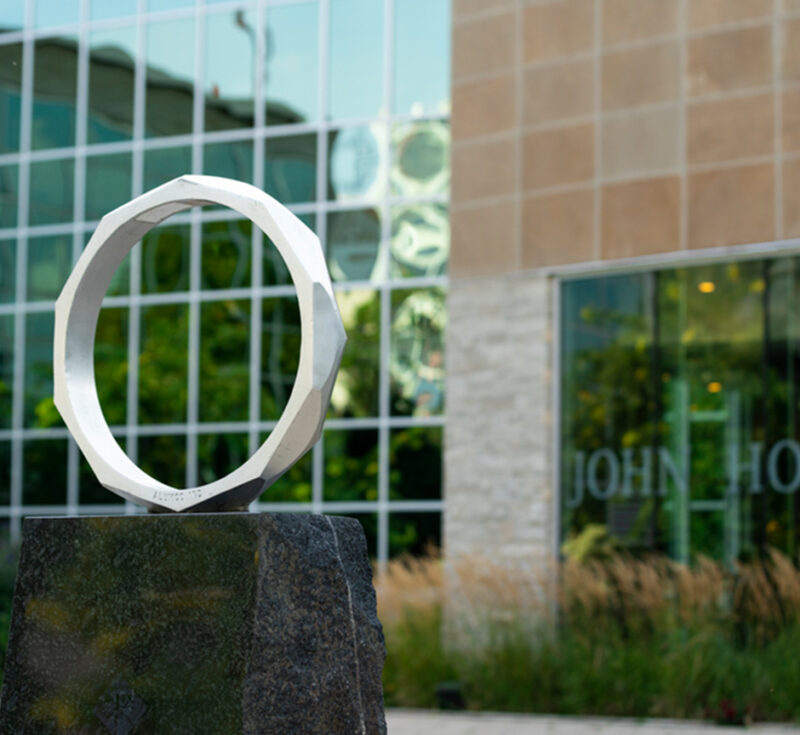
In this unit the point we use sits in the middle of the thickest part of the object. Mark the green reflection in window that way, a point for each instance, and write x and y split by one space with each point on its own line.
108 183
56 12
421 159
55 72
170 77
420 240
5 473
421 57
234 160
49 265
356 52
6 369
416 365
8 266
52 190
294 486
369 522
112 64
44 467
274 271
356 163
280 353
224 360
39 408
351 464
164 458
164 164
414 533
219 455
103 9
9 195
291 74
111 363
90 491
353 244
163 364
230 69
10 93
226 254
12 15
415 463
355 393
165 259
290 168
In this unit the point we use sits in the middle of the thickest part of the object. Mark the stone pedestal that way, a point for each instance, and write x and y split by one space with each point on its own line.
215 624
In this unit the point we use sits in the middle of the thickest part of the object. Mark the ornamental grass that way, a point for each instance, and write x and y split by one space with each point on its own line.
621 636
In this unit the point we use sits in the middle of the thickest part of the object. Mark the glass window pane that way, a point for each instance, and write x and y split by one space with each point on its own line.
356 53
12 15
224 360
44 467
56 12
357 163
357 384
165 259
351 464
280 353
420 240
112 60
294 486
52 191
49 266
292 63
226 254
163 364
111 363
5 473
219 455
164 458
417 352
103 9
9 195
232 160
290 168
39 408
353 244
273 270
90 491
415 463
8 267
164 164
55 73
10 94
6 369
421 159
415 533
230 70
108 183
170 77
421 57
157 5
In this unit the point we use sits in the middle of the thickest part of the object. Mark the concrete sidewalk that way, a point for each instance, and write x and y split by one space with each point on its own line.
422 722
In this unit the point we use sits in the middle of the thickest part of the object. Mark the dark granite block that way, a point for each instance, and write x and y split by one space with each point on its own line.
199 624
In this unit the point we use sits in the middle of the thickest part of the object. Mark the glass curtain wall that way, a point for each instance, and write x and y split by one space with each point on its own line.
680 407
339 109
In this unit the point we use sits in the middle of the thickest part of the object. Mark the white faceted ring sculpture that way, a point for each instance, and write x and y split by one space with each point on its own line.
78 307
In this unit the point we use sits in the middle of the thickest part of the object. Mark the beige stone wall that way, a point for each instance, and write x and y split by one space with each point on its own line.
600 129
588 130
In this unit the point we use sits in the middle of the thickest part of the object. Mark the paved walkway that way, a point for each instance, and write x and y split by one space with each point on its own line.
421 722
